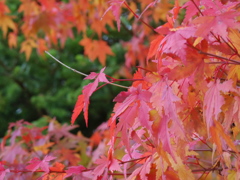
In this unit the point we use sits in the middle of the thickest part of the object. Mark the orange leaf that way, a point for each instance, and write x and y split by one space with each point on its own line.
27 46
154 47
41 46
12 40
96 49
218 135
5 23
56 172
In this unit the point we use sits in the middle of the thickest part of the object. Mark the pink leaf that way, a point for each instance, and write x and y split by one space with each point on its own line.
175 39
74 170
104 164
213 100
3 172
115 6
36 163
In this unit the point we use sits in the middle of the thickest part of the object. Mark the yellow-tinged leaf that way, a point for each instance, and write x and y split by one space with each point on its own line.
161 165
216 139
231 175
225 136
161 10
44 148
226 157
197 41
5 23
234 73
235 130
218 134
234 36
184 172
27 46
12 40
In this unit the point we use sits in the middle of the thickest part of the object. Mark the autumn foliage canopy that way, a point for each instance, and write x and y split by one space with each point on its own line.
179 119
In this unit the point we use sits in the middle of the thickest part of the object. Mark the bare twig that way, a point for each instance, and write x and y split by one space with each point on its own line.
74 70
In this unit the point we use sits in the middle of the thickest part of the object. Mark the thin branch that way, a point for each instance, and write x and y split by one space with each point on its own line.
78 72
219 57
135 15
74 70
197 7
220 63
213 55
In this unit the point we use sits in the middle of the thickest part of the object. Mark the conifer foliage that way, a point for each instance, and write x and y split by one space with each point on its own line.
178 120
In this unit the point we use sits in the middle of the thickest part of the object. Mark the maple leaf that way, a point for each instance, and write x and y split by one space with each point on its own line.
143 115
163 100
3 172
234 36
43 148
138 75
216 24
175 39
161 9
36 163
191 10
12 40
136 94
218 134
58 131
213 100
126 120
136 51
58 174
104 164
75 171
161 131
214 8
83 100
142 170
115 7
10 153
96 49
154 45
27 47
42 47
5 23
183 171
98 26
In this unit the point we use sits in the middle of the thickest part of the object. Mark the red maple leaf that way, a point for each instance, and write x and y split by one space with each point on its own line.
75 171
83 99
36 163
